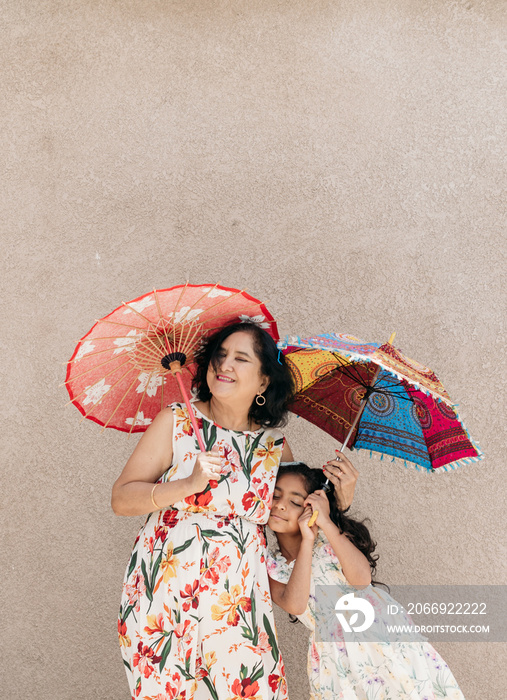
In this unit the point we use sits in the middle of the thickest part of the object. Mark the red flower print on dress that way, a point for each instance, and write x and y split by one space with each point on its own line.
181 629
143 658
170 518
184 422
172 692
262 534
231 458
201 672
248 500
245 689
199 501
122 634
215 567
190 596
161 534
135 590
155 624
263 647
274 681
224 521
251 498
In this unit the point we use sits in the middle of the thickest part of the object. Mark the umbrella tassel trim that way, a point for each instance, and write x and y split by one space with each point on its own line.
429 470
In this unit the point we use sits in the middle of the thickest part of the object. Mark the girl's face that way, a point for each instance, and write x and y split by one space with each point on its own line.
288 499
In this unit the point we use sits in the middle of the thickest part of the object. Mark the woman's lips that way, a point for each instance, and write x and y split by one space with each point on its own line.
223 378
272 515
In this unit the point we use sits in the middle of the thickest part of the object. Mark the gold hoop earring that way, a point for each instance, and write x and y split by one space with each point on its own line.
257 399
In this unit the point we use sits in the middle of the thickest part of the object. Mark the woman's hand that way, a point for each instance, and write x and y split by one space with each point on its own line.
319 502
343 475
206 468
308 533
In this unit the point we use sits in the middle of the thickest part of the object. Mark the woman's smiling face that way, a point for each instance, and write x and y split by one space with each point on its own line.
238 374
288 503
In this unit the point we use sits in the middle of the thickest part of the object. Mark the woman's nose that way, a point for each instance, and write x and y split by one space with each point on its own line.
225 364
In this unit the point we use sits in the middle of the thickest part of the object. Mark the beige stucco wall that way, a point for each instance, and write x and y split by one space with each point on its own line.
343 159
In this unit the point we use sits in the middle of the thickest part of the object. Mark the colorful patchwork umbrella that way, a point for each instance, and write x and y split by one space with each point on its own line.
371 396
140 357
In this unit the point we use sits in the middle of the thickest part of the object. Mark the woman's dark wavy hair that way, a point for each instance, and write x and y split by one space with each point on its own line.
280 390
356 530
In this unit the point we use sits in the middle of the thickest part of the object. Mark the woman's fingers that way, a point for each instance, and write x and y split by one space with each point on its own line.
332 474
343 475
345 464
210 462
341 470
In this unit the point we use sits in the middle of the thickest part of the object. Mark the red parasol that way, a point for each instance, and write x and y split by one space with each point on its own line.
138 359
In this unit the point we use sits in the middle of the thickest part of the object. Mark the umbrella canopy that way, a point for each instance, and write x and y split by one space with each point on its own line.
138 359
371 396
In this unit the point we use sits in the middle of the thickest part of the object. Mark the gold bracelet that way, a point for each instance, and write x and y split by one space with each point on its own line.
157 507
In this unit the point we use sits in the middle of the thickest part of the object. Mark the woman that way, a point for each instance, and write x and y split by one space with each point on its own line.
196 620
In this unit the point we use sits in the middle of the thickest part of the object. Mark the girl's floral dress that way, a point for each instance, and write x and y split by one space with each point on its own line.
381 670
196 621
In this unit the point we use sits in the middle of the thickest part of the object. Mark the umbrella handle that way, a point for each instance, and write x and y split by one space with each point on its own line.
365 400
328 486
177 375
358 414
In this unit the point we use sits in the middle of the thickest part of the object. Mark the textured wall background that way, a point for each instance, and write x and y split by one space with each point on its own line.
343 159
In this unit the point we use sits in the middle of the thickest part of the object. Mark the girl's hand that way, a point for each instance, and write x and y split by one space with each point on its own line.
308 533
207 467
318 501
343 475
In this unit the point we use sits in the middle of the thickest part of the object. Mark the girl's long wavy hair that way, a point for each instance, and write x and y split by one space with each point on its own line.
356 530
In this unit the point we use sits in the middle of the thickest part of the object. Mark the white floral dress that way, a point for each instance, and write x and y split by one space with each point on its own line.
341 670
196 621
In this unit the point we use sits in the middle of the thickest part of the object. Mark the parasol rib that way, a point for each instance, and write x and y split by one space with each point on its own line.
148 321
183 290
192 342
116 337
204 296
134 420
98 352
107 392
114 323
162 319
213 306
236 311
119 404
77 376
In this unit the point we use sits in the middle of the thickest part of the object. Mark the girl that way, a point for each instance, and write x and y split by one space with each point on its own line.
338 551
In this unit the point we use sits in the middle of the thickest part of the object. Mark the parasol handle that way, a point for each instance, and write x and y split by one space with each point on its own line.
364 401
176 372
